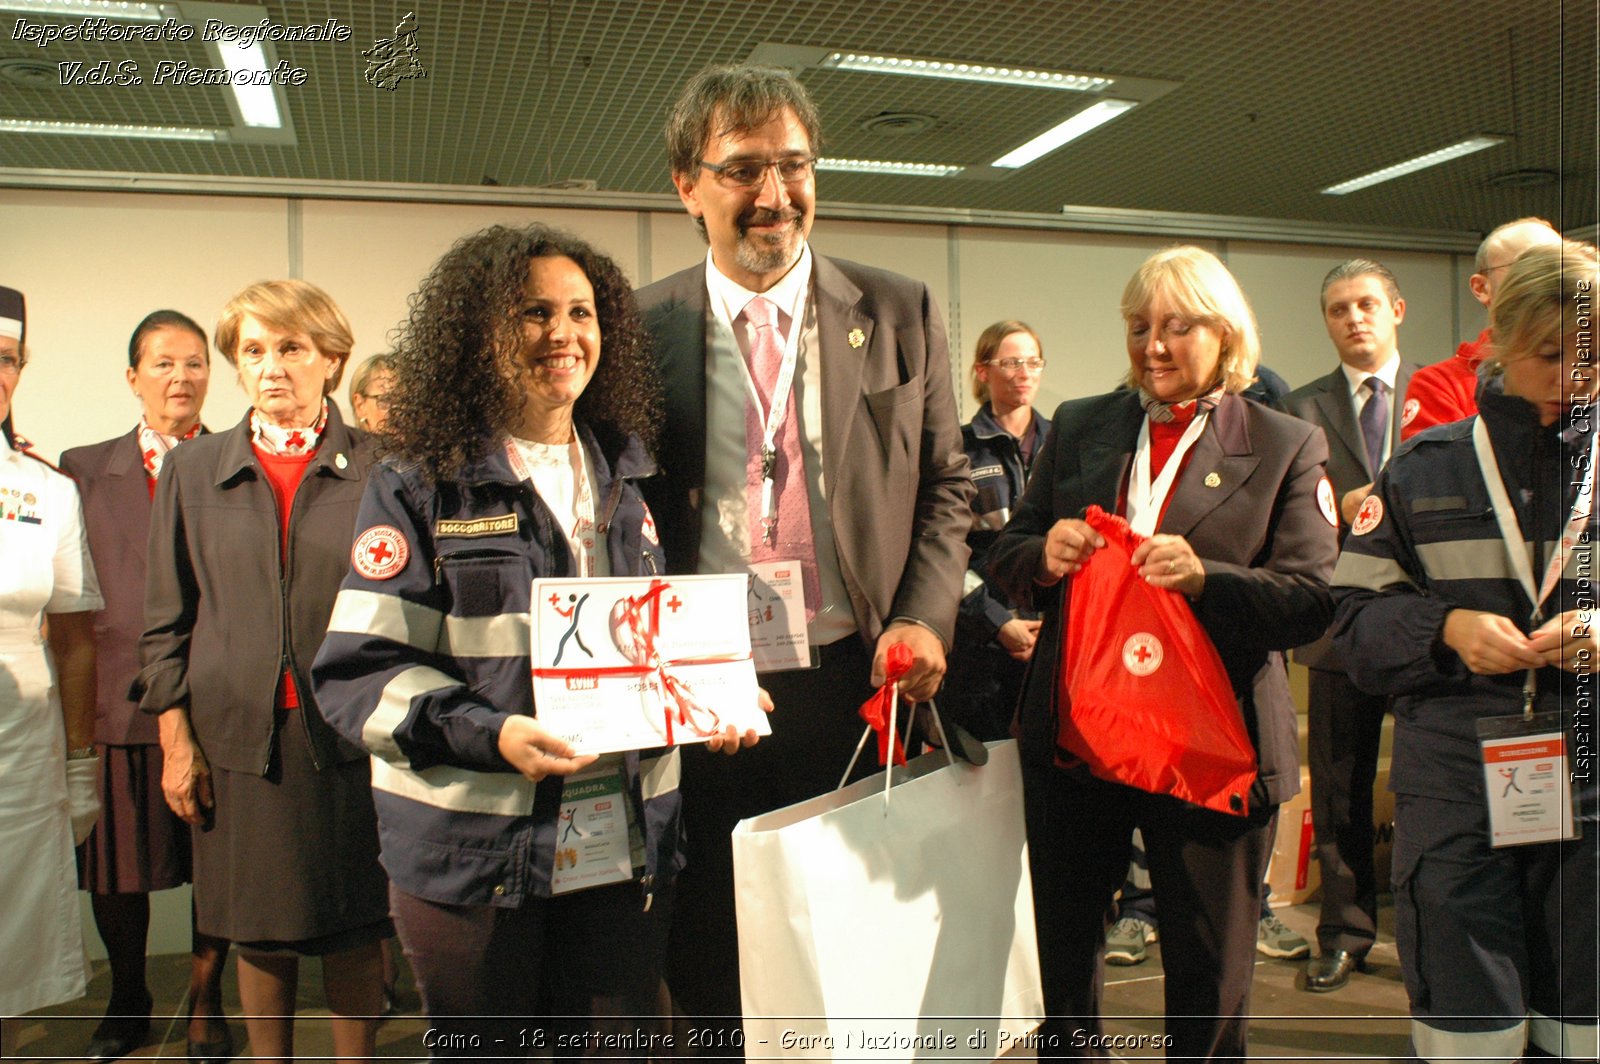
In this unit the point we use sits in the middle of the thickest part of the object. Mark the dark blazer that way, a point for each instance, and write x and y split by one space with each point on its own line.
225 611
897 478
116 514
1268 552
1325 402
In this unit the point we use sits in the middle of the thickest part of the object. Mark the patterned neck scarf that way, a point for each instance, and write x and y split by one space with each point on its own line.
153 446
284 442
1183 412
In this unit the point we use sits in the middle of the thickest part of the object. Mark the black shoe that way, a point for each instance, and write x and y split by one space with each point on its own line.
212 1052
1332 970
117 1036
121 1032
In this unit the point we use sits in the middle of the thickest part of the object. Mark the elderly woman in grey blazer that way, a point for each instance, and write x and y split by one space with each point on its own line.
1239 520
248 543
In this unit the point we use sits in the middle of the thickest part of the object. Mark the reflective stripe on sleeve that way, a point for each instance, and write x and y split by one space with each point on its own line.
457 789
500 635
386 616
1368 572
1569 1041
970 583
991 521
1450 1047
1465 559
394 705
659 775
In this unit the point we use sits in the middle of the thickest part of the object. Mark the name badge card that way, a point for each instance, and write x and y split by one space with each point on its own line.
594 835
778 617
629 664
1525 779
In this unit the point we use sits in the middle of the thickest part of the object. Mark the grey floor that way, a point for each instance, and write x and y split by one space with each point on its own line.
1364 1021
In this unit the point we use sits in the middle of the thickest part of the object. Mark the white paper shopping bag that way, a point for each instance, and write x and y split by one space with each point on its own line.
891 926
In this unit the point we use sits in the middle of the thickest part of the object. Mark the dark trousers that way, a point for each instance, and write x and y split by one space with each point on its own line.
1343 726
1205 870
815 727
1485 935
556 974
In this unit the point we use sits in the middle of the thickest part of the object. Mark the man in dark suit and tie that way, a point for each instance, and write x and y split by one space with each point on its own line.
809 418
1355 406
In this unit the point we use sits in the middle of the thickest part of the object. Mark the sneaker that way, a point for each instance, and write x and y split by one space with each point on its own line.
1125 941
1274 938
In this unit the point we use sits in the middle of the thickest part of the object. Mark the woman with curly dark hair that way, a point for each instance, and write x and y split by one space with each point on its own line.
515 445
450 403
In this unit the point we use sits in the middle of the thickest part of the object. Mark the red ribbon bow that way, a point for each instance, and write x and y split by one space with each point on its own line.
877 711
644 625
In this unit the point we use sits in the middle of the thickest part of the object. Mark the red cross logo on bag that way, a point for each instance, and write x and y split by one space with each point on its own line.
1141 654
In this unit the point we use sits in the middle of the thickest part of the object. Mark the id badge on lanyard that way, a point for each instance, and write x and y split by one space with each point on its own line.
1527 782
597 841
1526 779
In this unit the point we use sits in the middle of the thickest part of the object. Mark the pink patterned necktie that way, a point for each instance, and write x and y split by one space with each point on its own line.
791 536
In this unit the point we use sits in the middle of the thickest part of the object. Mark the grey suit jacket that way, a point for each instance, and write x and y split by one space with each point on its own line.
898 485
1325 402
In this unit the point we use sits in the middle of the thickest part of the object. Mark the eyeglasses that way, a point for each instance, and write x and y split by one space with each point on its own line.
748 173
381 400
1012 365
10 365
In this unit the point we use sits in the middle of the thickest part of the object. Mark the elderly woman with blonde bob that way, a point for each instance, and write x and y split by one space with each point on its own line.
1466 591
249 539
369 392
1233 500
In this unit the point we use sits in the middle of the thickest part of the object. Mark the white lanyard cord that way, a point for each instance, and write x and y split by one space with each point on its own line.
1517 551
584 557
772 419
1145 499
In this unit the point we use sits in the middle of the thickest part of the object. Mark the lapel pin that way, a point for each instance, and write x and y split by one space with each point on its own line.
340 460
857 337
1213 481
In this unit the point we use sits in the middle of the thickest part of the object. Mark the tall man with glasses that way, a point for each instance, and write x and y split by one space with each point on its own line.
1356 407
809 418
1448 391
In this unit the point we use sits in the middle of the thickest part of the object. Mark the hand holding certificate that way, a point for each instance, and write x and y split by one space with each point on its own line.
625 664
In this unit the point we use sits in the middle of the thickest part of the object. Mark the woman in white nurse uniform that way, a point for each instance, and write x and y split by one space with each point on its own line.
47 766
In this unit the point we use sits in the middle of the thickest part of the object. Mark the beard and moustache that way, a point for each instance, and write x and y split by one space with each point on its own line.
771 252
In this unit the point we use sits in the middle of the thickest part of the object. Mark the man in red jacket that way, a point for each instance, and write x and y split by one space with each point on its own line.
1448 391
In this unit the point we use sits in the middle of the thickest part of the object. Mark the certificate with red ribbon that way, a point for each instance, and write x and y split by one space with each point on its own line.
634 663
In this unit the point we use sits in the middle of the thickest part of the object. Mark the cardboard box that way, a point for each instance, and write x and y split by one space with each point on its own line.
1294 874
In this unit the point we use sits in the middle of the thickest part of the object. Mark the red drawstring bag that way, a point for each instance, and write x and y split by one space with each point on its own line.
1146 700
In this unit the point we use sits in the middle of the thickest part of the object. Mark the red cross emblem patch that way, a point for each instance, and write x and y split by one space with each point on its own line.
380 552
1142 654
1368 517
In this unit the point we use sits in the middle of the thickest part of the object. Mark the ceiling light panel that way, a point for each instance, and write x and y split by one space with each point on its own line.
955 70
1095 115
884 166
132 12
1410 166
109 129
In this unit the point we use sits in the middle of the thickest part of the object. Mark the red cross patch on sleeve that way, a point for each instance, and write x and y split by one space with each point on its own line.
380 553
1368 517
1325 502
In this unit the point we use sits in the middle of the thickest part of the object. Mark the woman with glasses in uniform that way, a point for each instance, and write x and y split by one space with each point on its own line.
994 635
